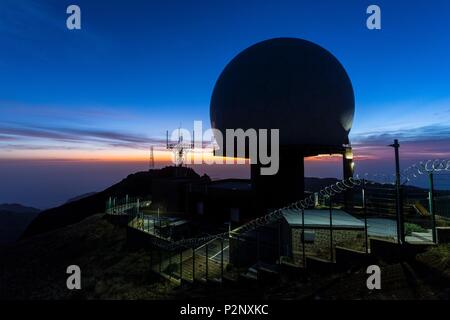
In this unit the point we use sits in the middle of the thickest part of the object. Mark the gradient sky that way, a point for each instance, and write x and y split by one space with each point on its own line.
79 109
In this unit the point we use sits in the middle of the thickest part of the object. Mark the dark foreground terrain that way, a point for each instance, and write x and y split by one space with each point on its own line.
35 268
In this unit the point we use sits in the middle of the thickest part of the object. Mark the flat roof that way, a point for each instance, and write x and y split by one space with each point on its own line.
178 223
320 218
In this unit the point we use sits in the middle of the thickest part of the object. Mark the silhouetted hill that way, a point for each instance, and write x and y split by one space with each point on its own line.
14 218
17 208
138 184
81 196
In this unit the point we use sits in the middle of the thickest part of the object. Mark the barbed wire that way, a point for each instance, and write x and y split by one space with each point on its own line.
423 168
377 178
410 173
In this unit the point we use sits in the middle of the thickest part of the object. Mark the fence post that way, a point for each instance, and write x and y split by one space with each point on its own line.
151 258
170 264
431 204
257 245
331 229
399 205
303 237
206 262
364 203
160 258
193 263
221 259
279 242
237 259
181 264
402 218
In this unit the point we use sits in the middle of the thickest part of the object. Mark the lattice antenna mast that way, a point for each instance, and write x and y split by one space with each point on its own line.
180 148
151 161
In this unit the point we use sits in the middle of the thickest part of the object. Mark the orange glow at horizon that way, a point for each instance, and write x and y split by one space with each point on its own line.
129 155
113 155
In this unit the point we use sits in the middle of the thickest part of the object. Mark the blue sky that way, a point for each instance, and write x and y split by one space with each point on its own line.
139 68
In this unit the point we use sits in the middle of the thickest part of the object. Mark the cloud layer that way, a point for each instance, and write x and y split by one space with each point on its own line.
23 137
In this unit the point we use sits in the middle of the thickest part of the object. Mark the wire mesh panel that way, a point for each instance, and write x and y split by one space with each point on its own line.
175 269
382 211
180 264
348 231
155 260
441 197
243 249
187 264
200 263
418 216
147 223
226 265
123 206
217 258
355 204
170 264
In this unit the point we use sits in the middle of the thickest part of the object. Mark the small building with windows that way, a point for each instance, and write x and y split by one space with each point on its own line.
314 231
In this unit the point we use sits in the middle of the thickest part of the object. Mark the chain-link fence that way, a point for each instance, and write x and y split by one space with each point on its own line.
345 218
208 262
441 199
418 215
122 206
380 208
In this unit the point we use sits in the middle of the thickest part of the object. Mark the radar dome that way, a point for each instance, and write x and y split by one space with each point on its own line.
289 84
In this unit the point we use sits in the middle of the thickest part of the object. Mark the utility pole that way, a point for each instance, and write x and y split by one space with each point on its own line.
364 203
331 229
399 205
431 205
303 238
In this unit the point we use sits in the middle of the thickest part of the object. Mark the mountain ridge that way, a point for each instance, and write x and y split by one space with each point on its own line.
14 219
136 184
